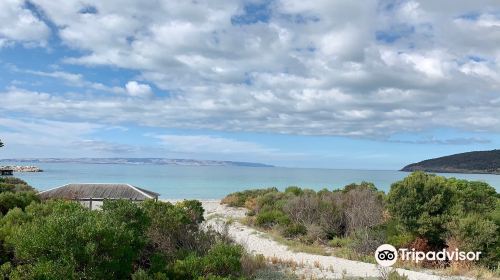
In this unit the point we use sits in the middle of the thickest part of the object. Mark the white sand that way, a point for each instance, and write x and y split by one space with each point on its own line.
309 265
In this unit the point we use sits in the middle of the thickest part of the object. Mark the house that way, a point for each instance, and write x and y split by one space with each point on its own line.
6 171
92 195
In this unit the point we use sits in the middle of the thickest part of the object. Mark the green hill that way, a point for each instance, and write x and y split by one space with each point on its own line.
484 162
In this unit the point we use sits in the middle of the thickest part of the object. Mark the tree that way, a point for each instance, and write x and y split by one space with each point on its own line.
423 204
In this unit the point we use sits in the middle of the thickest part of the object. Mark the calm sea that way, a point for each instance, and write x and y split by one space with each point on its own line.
214 181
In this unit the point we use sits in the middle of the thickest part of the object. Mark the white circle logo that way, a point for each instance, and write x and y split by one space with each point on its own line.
386 255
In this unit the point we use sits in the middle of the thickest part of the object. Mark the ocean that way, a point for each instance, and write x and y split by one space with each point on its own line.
205 182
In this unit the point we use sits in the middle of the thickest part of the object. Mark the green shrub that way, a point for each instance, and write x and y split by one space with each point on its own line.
397 235
221 260
14 193
340 242
495 214
293 230
473 197
76 241
270 201
238 199
271 218
294 190
194 210
143 275
10 200
477 233
153 240
189 268
363 185
13 184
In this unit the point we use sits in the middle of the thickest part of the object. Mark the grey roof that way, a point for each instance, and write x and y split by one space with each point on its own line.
6 168
98 191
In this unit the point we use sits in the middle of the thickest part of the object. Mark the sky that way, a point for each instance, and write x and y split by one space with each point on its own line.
322 83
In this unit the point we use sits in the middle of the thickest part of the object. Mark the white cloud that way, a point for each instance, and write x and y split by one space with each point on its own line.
136 89
361 69
206 144
44 132
43 137
17 23
76 80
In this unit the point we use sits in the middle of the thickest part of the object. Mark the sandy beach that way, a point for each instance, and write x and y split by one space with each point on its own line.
302 264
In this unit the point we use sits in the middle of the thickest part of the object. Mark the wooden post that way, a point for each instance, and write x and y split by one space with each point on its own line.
90 203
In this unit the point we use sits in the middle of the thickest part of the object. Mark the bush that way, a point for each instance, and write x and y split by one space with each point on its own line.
14 193
396 233
317 215
363 207
476 233
293 230
495 214
222 260
365 242
315 233
238 199
251 264
294 190
13 184
340 242
76 241
11 200
473 197
270 201
153 240
271 218
304 209
332 217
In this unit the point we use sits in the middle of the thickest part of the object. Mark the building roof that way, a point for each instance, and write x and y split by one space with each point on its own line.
98 191
6 168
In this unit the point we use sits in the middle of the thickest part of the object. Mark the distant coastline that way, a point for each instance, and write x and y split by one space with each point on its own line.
156 161
478 162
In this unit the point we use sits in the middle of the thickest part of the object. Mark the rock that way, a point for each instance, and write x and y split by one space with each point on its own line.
20 168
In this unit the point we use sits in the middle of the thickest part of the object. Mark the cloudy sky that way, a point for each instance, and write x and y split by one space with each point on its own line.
323 83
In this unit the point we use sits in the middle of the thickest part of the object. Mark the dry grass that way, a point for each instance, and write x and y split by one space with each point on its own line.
230 200
293 265
251 264
470 270
317 264
296 245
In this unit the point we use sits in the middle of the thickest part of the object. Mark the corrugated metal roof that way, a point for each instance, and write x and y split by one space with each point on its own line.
98 191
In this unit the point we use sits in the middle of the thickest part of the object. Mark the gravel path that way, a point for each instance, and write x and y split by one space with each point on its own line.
308 265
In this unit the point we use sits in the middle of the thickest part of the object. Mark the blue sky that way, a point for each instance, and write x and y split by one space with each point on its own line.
329 84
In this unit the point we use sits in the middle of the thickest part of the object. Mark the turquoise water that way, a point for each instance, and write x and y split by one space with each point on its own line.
214 181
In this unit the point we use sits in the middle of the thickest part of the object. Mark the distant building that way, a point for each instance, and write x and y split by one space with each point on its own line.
6 171
92 195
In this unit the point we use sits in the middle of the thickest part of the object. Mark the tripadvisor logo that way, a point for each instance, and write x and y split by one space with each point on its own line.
387 255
